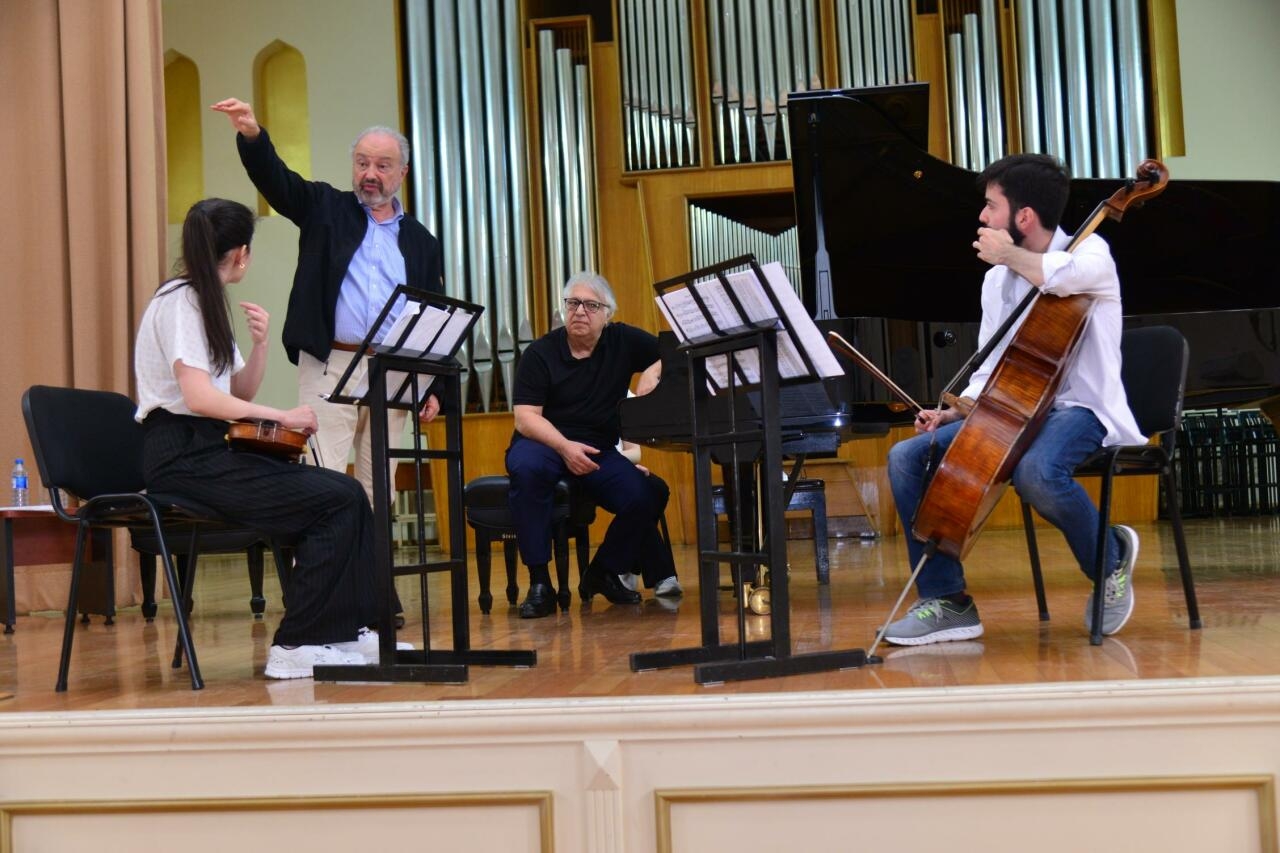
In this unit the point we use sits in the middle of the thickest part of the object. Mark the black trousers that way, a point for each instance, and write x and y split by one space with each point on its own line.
325 514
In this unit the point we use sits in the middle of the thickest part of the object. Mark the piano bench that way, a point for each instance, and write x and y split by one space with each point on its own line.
489 515
810 495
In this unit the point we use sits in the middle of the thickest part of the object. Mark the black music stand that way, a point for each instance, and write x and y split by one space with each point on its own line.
423 342
732 336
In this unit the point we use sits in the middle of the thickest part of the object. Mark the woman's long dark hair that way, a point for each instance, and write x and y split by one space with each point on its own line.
212 228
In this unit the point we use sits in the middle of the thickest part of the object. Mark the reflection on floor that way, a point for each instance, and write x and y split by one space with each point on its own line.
584 652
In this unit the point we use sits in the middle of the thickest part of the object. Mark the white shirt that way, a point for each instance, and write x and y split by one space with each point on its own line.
1093 378
173 328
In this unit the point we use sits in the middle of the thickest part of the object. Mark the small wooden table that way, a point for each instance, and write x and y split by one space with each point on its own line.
36 537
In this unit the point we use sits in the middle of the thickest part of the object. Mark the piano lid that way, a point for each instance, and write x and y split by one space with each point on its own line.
896 223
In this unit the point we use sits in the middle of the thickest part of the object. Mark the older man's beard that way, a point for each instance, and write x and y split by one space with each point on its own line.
368 195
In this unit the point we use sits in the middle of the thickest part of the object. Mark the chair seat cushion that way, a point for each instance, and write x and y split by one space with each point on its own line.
486 503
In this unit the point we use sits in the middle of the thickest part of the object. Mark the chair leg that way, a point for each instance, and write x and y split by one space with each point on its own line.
69 628
483 568
257 602
582 541
187 575
560 551
1180 542
821 552
510 559
1033 551
147 571
1104 528
176 596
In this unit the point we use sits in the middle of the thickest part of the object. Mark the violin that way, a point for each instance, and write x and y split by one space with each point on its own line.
268 437
1009 412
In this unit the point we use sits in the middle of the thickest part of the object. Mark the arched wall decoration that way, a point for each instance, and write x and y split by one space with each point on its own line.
184 143
280 101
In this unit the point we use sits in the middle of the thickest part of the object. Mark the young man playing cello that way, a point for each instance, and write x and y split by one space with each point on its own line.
1025 195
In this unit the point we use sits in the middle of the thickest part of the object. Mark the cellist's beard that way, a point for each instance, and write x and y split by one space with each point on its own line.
1016 233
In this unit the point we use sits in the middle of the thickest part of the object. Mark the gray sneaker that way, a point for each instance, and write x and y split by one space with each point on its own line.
1117 590
935 620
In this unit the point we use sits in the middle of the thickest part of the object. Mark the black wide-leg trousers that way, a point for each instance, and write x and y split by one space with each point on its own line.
324 514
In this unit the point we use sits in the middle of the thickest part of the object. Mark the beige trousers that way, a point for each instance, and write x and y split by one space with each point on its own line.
343 425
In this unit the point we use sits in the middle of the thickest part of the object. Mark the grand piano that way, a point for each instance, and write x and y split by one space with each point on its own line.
885 233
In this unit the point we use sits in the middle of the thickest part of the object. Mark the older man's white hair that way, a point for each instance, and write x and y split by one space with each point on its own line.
387 131
594 282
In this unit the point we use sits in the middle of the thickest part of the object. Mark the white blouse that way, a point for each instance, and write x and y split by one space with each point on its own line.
173 328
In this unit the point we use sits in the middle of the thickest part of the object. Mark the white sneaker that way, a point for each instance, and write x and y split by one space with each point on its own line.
669 587
299 661
366 645
630 581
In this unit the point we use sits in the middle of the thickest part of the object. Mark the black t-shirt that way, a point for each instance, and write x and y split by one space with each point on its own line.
580 396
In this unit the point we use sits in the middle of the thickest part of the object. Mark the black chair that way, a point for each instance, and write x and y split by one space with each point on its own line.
1154 372
88 445
489 515
251 542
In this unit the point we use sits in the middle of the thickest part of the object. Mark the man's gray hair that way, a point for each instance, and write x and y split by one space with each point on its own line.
596 283
393 133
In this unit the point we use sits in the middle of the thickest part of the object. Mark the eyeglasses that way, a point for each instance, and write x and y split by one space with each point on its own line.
571 305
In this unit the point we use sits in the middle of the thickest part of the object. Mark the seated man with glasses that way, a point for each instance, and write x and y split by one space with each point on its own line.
566 396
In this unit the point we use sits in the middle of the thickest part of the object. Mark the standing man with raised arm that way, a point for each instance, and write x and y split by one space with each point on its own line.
354 247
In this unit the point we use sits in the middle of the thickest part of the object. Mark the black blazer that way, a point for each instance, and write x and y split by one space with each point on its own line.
331 224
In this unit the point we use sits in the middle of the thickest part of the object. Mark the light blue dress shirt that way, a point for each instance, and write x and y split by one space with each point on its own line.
375 270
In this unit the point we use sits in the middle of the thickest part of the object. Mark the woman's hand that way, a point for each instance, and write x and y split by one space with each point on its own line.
258 319
302 418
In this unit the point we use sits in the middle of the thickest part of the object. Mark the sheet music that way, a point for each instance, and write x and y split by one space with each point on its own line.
437 332
689 322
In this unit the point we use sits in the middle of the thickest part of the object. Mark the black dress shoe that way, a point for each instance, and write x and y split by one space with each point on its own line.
608 585
541 601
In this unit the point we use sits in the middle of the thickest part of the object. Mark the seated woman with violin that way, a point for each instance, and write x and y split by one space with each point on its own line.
193 380
1025 195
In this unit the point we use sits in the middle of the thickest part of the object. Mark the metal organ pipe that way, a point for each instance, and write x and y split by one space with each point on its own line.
1102 47
500 313
1133 102
1027 63
478 282
959 115
973 93
553 209
1080 133
991 82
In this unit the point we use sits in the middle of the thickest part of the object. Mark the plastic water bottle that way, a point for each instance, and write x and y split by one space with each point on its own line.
19 480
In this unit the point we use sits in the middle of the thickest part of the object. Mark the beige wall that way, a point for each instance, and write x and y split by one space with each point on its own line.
351 56
1230 73
1178 767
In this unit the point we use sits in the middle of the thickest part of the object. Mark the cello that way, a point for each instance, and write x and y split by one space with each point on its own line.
977 467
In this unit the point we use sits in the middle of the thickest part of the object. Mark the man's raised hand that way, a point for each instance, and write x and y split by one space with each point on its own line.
241 115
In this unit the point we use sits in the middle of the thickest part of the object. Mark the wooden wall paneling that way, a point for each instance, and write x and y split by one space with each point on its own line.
1008 25
931 68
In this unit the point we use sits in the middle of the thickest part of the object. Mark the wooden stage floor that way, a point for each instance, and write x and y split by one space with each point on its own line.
584 652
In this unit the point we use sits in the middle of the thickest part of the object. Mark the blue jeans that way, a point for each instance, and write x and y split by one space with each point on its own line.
1042 477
